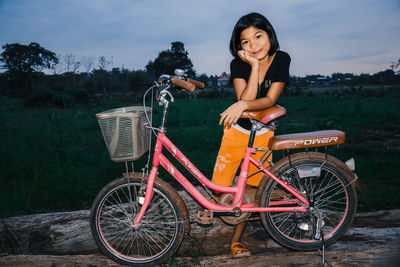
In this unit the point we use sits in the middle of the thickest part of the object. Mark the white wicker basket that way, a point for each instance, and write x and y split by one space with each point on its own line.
125 133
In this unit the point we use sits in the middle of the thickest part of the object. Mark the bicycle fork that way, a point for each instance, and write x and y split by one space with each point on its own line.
148 195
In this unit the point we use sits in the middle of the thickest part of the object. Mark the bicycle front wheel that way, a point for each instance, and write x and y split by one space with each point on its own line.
328 188
159 234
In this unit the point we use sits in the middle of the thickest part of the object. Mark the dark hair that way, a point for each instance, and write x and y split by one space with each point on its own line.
256 20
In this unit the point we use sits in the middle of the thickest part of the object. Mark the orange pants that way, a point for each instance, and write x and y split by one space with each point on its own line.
231 154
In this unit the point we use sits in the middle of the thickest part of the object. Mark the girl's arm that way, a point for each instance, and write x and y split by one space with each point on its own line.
233 113
247 90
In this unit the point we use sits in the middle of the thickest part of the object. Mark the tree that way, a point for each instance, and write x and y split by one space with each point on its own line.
138 82
25 62
103 63
87 63
204 79
395 66
71 63
169 60
26 58
57 67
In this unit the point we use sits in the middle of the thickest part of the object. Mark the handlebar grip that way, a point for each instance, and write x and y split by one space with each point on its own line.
196 83
184 84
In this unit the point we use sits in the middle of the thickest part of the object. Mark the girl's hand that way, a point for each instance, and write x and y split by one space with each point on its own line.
232 114
246 57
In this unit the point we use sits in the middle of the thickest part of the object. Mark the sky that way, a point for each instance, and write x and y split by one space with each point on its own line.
321 36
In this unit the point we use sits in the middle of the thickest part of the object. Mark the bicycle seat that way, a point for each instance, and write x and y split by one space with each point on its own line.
265 115
308 139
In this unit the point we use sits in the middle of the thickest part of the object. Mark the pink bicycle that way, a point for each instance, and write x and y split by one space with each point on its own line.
305 200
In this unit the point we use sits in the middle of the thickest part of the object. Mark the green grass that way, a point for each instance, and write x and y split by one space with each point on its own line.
372 127
56 159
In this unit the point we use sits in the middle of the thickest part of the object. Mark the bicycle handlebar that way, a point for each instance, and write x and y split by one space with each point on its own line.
196 83
182 83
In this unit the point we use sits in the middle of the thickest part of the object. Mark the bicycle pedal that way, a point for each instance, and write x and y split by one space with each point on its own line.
205 217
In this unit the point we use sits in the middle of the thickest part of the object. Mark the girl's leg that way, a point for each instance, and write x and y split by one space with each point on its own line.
237 248
240 228
238 232
251 188
230 155
260 141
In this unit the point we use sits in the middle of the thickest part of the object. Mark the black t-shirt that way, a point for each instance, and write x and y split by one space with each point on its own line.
278 71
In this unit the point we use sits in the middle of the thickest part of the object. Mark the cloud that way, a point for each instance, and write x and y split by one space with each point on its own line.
321 36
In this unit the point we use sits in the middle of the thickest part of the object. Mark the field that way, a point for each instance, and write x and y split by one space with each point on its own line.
56 159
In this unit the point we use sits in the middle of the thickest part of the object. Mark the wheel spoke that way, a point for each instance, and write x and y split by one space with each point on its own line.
291 230
119 206
130 202
113 218
327 194
327 199
337 190
155 234
287 217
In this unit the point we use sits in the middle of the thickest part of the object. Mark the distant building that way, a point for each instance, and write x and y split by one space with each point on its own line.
223 79
320 81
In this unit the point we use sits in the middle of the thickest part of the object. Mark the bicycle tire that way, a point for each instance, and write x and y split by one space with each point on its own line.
161 229
322 178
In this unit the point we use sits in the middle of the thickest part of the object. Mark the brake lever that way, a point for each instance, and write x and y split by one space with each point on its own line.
165 92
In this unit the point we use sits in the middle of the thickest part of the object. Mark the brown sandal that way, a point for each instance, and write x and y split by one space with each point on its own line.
239 250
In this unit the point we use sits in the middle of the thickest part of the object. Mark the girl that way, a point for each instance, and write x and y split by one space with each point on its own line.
259 72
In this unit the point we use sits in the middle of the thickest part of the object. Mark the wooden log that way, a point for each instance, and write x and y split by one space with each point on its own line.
373 256
68 233
52 233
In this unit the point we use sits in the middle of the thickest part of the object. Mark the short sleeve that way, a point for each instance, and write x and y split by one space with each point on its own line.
240 69
281 73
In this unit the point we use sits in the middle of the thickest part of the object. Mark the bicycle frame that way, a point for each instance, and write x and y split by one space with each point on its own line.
140 220
237 190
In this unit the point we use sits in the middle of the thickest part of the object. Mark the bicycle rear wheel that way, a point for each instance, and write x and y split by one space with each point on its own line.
328 188
160 231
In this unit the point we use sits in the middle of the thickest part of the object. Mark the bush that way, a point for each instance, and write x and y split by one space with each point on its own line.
61 99
292 91
215 92
40 98
80 95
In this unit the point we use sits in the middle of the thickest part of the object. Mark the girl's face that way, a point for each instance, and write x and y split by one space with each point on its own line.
255 41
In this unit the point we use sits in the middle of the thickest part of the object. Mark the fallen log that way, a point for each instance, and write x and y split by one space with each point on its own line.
68 233
373 256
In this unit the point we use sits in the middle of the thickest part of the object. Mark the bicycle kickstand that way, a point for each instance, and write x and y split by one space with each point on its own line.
324 260
320 235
